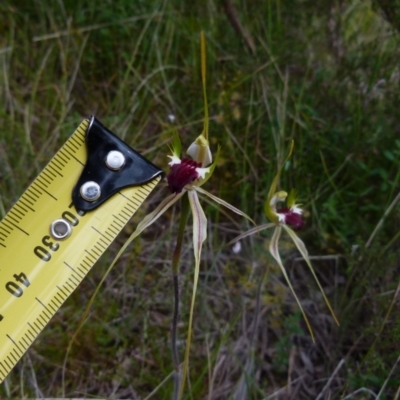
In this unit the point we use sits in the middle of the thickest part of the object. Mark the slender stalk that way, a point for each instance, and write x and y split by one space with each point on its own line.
382 220
175 271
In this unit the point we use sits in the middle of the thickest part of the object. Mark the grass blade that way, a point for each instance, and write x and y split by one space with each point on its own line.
204 81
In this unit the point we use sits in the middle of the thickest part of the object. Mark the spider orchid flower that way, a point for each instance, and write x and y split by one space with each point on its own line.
290 215
285 218
186 177
187 171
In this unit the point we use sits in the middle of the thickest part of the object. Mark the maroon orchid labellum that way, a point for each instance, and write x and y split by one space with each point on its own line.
182 173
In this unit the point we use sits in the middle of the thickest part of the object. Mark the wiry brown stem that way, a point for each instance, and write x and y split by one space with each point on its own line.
233 17
175 271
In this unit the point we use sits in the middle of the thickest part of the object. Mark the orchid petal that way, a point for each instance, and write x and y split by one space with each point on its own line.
224 203
201 182
291 200
176 146
147 221
199 236
303 251
271 215
144 223
251 232
270 208
274 250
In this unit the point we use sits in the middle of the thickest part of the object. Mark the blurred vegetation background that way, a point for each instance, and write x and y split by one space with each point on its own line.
325 74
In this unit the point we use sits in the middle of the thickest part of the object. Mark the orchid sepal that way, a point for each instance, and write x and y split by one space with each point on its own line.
291 199
303 251
274 251
224 203
291 214
252 231
200 151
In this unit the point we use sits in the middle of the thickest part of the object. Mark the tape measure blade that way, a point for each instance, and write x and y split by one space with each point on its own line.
37 272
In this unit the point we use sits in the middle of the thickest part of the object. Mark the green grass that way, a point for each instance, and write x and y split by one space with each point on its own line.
325 75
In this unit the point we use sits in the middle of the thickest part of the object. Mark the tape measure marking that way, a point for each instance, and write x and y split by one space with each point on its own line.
39 272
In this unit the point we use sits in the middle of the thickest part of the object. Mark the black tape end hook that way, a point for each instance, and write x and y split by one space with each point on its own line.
111 165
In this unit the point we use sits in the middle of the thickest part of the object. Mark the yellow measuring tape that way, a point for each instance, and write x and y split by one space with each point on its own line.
48 245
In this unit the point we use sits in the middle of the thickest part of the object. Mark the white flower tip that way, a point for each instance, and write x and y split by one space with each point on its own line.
281 217
202 172
174 160
296 209
237 247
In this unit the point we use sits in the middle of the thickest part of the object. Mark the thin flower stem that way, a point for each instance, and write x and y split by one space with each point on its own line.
175 272
382 220
174 338
185 211
258 307
243 385
204 81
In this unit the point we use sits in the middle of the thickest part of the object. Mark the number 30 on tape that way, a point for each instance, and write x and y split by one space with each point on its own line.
59 228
